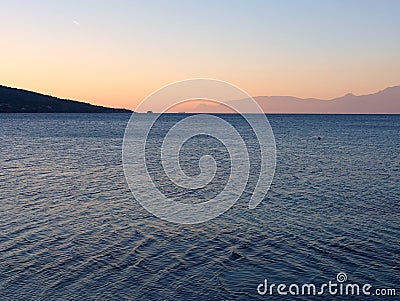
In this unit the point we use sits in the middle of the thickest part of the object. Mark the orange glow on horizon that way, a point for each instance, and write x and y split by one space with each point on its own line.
116 55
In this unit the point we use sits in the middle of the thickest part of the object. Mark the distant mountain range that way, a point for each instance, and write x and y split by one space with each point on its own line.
14 100
386 101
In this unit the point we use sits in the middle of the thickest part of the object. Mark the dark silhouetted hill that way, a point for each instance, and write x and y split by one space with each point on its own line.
14 100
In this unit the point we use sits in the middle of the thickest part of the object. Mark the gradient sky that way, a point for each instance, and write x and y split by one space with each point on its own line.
115 53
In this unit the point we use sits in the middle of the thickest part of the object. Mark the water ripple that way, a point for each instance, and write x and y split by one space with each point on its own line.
71 230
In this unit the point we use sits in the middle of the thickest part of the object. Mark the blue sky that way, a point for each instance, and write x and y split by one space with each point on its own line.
302 48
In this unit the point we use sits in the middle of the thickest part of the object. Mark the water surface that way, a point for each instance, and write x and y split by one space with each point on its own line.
71 230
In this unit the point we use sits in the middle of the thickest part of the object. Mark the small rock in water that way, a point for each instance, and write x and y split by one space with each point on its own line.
235 255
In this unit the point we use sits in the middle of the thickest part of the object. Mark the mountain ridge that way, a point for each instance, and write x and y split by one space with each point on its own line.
386 101
16 100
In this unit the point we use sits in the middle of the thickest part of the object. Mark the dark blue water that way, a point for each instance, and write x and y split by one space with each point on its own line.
70 228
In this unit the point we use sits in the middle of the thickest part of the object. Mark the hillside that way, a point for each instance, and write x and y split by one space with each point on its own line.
14 100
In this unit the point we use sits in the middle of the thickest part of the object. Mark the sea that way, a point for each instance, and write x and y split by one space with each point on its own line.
71 229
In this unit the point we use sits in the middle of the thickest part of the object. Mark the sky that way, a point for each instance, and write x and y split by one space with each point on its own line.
115 53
